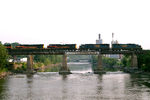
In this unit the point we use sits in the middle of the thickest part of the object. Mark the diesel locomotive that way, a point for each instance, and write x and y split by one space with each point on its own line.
96 47
8 46
30 46
62 46
131 47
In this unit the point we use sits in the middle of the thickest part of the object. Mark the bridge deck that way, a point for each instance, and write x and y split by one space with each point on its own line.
61 52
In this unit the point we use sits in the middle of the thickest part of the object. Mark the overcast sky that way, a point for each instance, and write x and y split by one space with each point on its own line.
75 21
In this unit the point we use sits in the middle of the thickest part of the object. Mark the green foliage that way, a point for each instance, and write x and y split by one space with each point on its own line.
21 69
38 65
144 61
48 59
3 56
24 66
4 70
126 61
52 69
110 61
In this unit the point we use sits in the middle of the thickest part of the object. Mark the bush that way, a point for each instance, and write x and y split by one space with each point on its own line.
3 56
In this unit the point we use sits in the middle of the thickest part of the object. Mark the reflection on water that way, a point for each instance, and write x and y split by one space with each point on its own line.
76 86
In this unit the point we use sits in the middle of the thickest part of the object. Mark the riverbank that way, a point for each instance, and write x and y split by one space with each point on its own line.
37 67
4 74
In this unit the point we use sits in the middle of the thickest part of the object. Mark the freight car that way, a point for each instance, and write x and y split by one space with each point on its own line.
96 47
132 47
30 46
62 47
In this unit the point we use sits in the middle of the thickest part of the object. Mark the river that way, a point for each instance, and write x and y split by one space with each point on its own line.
81 85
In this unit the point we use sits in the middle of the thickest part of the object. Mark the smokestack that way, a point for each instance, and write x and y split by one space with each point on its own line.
112 42
99 36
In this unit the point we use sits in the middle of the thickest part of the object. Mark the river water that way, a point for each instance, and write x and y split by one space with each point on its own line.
81 85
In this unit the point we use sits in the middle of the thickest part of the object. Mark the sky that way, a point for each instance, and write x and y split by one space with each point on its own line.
75 21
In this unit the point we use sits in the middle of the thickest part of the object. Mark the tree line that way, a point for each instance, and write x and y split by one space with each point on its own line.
125 62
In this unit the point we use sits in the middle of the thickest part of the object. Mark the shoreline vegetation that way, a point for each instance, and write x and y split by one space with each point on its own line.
37 67
20 68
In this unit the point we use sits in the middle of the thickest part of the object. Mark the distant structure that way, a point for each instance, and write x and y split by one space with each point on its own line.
99 41
117 56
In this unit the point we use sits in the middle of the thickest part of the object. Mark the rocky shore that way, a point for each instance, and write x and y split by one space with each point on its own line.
4 74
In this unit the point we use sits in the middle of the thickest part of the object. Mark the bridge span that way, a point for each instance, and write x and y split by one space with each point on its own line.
71 52
64 68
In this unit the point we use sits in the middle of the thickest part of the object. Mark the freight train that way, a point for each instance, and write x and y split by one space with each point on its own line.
82 47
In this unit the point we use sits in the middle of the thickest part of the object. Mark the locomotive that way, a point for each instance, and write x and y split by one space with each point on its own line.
96 47
62 46
126 47
30 46
8 46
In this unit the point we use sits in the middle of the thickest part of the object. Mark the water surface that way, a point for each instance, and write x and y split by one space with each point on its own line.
81 85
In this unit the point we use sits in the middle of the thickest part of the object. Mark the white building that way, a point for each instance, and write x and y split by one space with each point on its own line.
99 41
23 60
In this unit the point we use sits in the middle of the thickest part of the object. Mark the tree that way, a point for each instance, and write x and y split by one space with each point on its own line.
126 61
144 61
48 59
3 56
110 61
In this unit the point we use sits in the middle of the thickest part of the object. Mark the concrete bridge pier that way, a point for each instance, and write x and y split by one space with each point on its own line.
13 61
30 64
99 64
64 69
99 69
134 62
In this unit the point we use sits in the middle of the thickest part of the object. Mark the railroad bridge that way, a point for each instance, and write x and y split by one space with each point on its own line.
64 68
